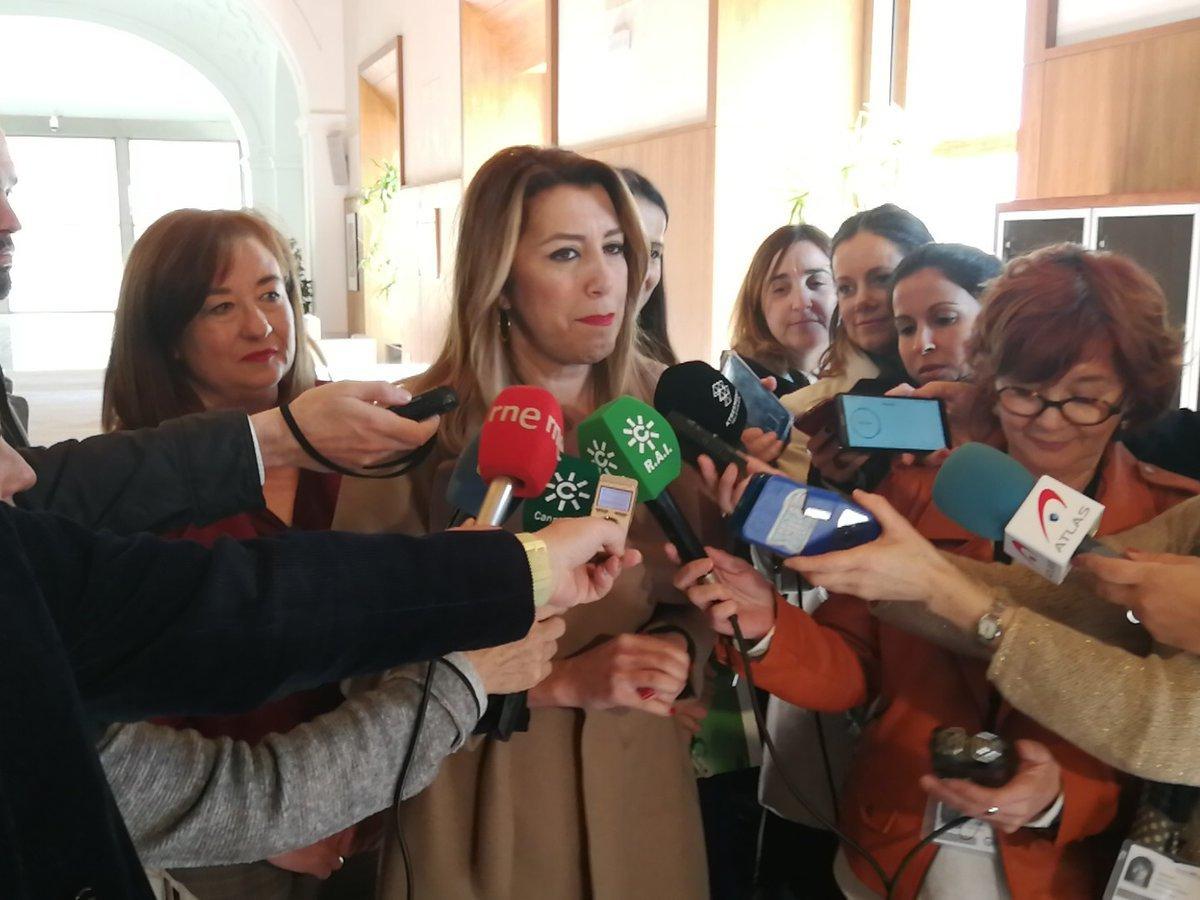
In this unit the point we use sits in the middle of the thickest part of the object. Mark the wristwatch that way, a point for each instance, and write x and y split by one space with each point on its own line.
989 629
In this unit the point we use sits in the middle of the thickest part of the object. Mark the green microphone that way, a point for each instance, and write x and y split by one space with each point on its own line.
628 437
631 438
569 494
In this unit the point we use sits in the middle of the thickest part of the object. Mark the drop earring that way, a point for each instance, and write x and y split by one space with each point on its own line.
505 325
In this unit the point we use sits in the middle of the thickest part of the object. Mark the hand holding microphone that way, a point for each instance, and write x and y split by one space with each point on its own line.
739 590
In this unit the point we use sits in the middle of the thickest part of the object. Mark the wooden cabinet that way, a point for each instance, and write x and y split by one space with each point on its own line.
1163 237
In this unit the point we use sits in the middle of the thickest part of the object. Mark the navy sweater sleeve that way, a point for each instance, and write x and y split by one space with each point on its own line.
188 471
156 627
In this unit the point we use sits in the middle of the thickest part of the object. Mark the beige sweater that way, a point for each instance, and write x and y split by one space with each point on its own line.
1075 664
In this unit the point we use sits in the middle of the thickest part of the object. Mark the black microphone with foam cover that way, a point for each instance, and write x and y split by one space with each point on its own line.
697 391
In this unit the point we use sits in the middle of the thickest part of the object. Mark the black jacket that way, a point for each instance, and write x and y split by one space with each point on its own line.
95 627
1171 443
188 471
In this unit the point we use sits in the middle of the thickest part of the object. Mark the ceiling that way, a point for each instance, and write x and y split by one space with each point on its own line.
71 67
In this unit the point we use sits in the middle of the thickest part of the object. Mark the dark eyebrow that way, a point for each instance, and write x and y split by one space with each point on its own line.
563 236
266 279
819 270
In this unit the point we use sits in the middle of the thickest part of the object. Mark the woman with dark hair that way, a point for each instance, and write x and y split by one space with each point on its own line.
866 250
780 320
935 295
652 300
209 317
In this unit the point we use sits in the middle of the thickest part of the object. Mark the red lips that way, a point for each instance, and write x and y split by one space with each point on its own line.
600 321
259 356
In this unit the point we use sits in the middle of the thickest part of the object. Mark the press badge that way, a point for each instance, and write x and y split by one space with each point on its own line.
973 834
1144 874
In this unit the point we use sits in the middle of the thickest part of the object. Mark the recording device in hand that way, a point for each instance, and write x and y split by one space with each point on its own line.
898 424
569 494
791 519
701 393
1042 522
519 446
616 496
424 406
983 758
763 409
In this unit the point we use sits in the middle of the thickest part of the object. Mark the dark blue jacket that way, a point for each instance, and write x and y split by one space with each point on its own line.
98 628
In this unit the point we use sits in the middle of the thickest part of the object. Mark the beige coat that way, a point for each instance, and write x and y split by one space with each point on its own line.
595 804
795 460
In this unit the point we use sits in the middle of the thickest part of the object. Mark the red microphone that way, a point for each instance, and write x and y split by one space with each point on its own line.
519 448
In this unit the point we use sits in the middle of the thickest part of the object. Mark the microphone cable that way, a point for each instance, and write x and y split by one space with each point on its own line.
409 753
760 720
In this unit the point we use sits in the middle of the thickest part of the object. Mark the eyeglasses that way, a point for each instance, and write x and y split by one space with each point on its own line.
1076 410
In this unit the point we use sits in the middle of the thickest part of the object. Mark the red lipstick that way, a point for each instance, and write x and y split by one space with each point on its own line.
600 321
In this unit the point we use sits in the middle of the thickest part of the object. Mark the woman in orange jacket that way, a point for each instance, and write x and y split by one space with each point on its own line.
1070 347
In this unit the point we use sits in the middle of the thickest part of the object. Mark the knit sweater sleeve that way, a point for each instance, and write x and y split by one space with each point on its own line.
190 801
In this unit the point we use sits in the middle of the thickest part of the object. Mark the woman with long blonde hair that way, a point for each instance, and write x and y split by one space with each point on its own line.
597 798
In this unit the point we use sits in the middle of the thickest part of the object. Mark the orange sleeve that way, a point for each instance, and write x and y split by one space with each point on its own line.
1091 791
818 665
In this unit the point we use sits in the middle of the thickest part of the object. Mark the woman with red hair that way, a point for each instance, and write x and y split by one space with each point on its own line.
1071 348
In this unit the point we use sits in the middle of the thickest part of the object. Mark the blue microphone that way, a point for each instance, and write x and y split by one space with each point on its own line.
1042 522
792 519
981 489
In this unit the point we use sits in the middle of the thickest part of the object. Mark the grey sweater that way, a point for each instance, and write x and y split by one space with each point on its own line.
194 801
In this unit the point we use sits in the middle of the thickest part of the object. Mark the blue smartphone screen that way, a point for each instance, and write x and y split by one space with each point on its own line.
892 423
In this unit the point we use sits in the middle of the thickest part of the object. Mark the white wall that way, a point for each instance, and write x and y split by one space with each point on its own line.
311 35
432 79
279 63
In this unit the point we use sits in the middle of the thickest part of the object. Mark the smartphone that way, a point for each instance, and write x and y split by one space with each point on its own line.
763 409
792 519
905 424
427 405
817 419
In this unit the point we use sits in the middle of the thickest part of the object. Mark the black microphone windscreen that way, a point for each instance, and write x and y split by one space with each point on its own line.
701 393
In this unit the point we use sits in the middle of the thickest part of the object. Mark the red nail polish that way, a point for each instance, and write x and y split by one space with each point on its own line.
645 693
672 710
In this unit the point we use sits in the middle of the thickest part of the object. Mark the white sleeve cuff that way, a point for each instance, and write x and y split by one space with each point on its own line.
1050 816
262 472
760 649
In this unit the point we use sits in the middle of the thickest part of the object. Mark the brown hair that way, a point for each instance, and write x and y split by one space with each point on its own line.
752 336
1045 309
170 271
906 233
475 361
